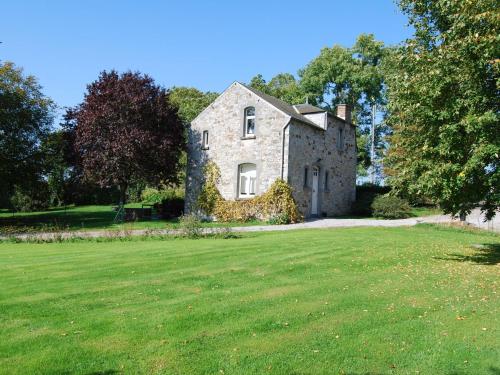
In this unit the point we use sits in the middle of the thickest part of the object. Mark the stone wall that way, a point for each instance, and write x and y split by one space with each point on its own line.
224 120
310 147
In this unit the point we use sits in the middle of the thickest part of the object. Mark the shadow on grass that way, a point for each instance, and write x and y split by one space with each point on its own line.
486 254
71 219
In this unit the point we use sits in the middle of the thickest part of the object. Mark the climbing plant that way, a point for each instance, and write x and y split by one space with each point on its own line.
276 202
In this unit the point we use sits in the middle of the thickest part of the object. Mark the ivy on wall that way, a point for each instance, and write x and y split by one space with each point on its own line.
276 204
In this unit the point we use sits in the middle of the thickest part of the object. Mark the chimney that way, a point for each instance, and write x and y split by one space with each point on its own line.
344 112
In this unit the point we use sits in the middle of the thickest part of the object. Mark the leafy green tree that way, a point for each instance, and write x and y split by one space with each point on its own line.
354 76
57 151
444 108
26 117
283 86
190 101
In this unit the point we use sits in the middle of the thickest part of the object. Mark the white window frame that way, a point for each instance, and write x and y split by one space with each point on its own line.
249 117
247 180
205 139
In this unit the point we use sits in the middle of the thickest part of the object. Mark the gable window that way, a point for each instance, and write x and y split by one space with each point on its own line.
306 173
249 130
326 180
340 139
205 139
247 179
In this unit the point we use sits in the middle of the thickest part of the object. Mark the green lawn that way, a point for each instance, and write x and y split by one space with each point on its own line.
419 300
88 218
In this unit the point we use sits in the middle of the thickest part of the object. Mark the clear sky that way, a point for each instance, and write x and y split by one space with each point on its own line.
205 44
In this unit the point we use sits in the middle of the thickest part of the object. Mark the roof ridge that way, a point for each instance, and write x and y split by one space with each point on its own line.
281 105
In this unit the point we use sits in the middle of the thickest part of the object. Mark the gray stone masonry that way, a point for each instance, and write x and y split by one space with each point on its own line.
281 147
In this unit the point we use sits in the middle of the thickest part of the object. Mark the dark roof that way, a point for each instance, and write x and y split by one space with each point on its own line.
308 108
282 106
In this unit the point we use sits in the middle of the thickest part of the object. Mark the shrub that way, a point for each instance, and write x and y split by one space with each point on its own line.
279 219
210 195
190 226
363 204
171 208
276 202
365 195
158 196
243 210
35 200
168 201
390 207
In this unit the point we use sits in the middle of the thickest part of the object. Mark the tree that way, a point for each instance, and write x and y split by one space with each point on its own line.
58 163
353 76
190 101
444 108
127 130
26 117
283 86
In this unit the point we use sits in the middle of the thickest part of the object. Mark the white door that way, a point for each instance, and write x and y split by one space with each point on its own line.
314 209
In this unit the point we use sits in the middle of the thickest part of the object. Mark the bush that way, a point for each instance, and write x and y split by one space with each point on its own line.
190 226
242 211
36 200
277 201
158 196
210 195
365 195
390 207
275 204
280 219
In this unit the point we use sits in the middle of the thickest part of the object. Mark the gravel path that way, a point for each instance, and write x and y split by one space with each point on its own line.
314 223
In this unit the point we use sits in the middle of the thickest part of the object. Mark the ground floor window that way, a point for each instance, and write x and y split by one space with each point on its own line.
247 177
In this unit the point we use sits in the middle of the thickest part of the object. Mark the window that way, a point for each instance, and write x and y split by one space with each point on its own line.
326 181
205 139
340 139
247 177
306 172
249 130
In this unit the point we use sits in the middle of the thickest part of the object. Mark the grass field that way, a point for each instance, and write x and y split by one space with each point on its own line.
419 300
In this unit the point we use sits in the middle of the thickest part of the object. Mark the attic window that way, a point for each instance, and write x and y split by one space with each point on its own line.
249 122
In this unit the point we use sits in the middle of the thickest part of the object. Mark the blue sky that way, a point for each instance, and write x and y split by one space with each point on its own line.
205 44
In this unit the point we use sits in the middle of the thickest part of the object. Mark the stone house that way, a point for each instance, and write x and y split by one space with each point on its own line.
255 139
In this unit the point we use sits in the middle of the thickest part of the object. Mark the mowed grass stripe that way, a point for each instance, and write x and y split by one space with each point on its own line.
383 300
